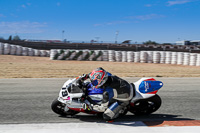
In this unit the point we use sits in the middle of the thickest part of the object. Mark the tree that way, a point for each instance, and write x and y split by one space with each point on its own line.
10 38
150 42
16 38
127 41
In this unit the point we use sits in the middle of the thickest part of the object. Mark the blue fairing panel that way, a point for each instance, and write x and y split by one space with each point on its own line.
93 91
150 86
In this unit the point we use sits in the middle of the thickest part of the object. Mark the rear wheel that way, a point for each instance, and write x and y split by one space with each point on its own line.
58 108
146 106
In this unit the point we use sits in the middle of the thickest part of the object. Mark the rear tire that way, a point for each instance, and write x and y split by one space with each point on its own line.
146 106
58 108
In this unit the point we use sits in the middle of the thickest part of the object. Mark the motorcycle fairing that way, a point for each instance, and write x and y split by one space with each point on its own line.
92 90
97 94
141 93
150 86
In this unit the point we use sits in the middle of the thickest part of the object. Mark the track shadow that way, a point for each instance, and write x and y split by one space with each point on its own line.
132 120
150 120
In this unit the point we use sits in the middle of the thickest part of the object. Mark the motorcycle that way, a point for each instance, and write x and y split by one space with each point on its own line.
73 99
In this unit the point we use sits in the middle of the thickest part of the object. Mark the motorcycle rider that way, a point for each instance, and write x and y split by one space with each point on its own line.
121 92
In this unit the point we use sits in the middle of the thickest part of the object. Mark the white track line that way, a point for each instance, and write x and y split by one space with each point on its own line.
115 127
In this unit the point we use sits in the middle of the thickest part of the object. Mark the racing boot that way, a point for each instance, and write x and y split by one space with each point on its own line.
113 111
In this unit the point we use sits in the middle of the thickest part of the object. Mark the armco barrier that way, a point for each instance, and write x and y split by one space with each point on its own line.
168 57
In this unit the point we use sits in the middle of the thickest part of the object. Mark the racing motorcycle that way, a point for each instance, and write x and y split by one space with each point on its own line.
74 99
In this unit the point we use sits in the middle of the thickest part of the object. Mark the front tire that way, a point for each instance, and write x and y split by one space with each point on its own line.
58 108
146 106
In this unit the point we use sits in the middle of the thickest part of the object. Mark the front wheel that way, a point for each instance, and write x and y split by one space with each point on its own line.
58 108
146 106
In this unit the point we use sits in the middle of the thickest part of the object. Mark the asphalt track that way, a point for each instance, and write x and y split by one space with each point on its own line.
25 107
27 101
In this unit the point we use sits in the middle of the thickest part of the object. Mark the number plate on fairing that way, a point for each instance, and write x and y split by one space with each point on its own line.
64 93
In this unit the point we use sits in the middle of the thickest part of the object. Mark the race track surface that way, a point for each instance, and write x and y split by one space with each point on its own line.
28 101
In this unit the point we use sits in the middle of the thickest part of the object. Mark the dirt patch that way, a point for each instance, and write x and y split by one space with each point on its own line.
43 67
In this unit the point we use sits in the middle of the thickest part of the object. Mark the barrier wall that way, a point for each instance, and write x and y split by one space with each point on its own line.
9 49
168 57
164 57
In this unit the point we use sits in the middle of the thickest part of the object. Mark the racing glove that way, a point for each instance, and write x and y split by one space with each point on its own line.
84 77
80 81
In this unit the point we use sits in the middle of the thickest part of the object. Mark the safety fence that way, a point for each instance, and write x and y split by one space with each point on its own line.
163 57
9 49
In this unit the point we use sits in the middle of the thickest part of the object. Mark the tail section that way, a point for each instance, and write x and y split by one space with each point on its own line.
145 88
150 86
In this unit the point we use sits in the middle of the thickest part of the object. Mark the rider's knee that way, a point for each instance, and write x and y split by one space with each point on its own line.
105 97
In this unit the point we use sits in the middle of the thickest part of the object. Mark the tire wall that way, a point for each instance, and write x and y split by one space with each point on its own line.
158 57
162 57
9 49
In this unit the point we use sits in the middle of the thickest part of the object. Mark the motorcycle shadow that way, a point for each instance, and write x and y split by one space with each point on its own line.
132 120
